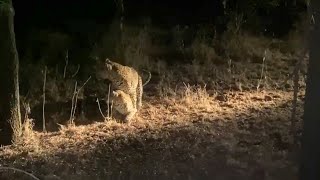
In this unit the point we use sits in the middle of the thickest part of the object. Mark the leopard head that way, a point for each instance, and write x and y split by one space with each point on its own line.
103 69
108 64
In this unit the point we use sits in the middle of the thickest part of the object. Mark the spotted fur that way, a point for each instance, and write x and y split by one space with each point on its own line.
124 78
123 104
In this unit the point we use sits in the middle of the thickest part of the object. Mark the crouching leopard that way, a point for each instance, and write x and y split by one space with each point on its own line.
124 78
122 103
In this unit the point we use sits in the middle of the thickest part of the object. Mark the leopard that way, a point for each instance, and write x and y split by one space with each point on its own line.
122 103
124 78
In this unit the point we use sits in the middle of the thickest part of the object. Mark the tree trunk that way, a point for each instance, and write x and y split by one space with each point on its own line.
310 157
120 40
10 120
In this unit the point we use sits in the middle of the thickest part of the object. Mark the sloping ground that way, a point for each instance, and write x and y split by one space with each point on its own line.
244 135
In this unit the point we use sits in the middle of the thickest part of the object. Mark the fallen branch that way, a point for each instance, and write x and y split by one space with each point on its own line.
19 170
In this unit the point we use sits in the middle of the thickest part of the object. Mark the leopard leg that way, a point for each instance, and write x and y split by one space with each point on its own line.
130 115
139 94
133 96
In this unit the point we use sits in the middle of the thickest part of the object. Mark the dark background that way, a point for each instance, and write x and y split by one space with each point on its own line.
78 25
84 16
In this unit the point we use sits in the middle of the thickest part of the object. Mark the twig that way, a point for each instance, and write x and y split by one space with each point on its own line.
19 170
109 89
84 83
75 99
262 69
27 110
74 106
67 61
74 74
77 94
72 103
104 117
111 107
44 100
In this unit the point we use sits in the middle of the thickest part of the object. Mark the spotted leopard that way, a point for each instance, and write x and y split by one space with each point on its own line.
124 78
122 104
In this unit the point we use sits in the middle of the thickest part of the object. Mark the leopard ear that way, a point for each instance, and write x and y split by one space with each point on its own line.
108 64
108 61
115 93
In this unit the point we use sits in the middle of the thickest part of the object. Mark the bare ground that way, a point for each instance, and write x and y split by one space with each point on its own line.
242 135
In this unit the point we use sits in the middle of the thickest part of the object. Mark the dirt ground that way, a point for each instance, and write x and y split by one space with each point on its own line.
244 135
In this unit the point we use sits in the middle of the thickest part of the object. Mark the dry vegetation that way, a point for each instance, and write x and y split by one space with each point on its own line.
220 116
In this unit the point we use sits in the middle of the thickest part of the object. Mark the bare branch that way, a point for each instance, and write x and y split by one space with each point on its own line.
72 102
104 117
75 99
109 89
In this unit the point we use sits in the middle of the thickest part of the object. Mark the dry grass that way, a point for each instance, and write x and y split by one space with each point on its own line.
170 137
196 97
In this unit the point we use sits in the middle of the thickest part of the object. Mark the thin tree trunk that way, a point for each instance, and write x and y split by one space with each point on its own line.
297 69
310 157
10 120
120 18
121 15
